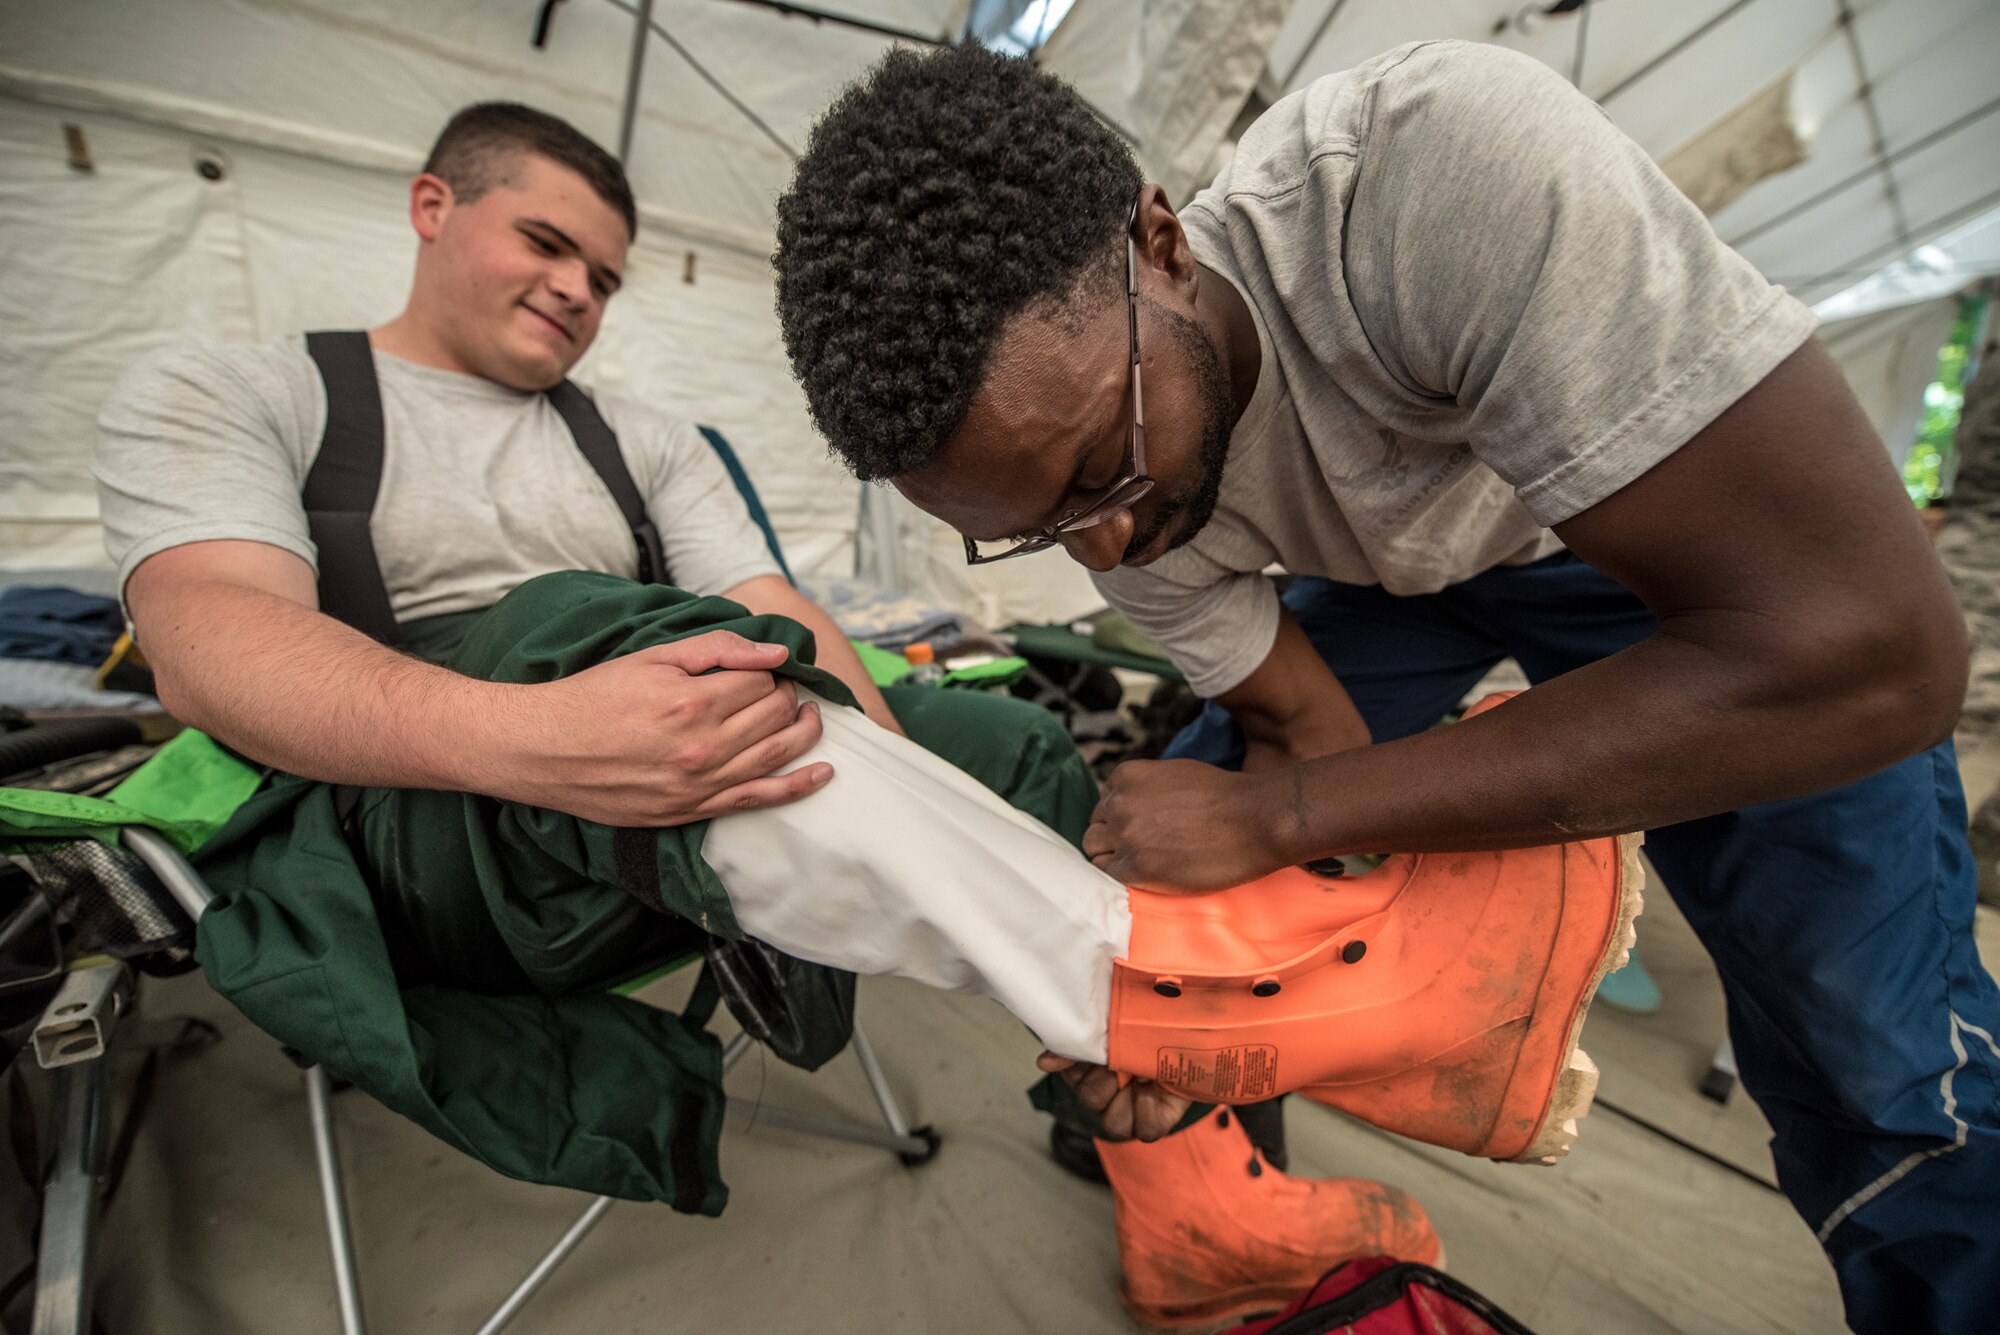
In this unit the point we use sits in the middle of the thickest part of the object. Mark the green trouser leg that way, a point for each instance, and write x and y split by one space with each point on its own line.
468 991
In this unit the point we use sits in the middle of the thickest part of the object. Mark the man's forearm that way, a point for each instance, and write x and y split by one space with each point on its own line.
290 687
770 595
1669 730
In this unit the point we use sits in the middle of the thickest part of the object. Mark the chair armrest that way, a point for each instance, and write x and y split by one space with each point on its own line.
182 881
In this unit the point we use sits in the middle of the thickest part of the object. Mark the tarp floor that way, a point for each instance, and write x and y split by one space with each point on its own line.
216 1228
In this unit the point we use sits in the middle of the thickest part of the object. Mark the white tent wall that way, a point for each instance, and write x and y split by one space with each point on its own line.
1922 69
100 267
1890 358
143 252
321 112
388 73
1171 74
323 107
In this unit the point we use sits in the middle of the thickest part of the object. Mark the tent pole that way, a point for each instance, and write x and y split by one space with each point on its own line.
641 30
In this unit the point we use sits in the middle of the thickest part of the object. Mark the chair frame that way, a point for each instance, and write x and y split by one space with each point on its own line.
63 1288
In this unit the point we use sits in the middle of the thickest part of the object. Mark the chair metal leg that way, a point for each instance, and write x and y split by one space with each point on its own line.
547 1266
912 1146
567 1243
69 1204
885 1098
346 1280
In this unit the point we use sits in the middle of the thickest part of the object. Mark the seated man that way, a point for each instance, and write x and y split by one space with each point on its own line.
204 461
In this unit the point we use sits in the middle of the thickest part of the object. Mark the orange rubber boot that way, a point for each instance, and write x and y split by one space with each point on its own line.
1440 996
1209 1234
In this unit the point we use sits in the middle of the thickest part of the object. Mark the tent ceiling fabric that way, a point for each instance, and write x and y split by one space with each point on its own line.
1931 63
390 73
324 106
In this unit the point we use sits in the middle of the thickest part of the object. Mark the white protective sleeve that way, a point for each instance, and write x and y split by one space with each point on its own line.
905 865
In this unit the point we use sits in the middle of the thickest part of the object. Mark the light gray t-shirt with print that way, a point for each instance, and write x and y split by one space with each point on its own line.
482 488
1482 310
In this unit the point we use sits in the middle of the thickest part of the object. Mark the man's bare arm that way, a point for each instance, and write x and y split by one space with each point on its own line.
772 594
1292 708
1807 638
240 650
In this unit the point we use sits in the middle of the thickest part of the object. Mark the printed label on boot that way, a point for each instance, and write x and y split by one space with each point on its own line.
1227 1075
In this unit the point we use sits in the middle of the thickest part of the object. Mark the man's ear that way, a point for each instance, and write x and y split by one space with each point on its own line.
1163 244
431 201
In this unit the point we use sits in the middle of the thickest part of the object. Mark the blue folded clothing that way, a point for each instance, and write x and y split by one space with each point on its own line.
58 624
888 620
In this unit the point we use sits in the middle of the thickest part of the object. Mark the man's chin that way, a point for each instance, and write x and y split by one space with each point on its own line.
1178 530
530 370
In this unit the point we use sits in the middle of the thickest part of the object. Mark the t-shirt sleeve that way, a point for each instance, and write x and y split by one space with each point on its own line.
1216 625
711 542
197 445
1519 263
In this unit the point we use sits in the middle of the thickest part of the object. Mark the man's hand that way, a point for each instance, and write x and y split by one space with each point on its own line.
240 650
646 740
1184 825
1126 1109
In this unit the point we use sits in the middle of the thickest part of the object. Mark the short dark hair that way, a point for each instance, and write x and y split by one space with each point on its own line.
478 145
941 195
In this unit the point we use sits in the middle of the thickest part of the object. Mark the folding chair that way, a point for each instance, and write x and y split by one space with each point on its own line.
77 1033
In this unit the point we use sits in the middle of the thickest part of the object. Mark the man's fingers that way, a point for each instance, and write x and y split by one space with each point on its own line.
772 753
765 716
723 694
774 791
1097 1087
717 649
1156 1112
1115 1117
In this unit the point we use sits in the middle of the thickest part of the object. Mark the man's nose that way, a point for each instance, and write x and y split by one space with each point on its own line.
1101 546
570 284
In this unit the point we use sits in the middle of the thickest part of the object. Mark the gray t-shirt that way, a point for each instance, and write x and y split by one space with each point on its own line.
482 486
1482 310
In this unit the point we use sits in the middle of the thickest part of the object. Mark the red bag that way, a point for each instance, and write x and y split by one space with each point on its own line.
1379 1295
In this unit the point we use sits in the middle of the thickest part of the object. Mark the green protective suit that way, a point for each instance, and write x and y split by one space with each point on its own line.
467 989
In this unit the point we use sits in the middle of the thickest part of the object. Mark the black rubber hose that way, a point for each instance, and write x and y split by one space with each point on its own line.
63 739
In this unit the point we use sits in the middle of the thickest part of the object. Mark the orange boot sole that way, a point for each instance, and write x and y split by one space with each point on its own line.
1440 996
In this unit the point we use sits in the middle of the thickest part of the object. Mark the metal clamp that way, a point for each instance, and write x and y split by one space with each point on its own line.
77 1024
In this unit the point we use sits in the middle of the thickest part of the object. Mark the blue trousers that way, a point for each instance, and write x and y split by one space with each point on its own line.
1841 924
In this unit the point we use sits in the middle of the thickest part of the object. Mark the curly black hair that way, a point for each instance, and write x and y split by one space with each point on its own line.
941 195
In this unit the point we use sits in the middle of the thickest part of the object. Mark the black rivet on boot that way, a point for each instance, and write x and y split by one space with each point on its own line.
1353 951
1265 989
1166 989
1256 1169
1222 1119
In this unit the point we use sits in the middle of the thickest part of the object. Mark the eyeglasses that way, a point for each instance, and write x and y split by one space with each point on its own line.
1132 481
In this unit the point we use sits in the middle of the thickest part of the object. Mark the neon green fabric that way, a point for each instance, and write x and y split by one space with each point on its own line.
890 669
187 791
883 667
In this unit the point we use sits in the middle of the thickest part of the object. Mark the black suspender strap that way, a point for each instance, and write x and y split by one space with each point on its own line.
600 448
340 489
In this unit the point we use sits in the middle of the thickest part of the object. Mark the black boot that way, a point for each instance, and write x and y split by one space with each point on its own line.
1263 1122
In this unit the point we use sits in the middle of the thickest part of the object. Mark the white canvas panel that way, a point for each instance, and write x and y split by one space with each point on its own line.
1889 359
102 267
